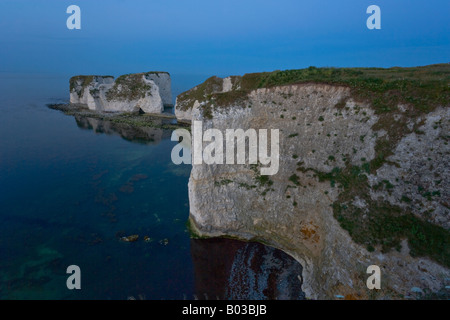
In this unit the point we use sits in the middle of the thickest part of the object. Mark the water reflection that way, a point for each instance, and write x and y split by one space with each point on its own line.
102 197
145 135
231 269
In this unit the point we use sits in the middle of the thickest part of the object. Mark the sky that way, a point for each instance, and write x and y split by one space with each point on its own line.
208 37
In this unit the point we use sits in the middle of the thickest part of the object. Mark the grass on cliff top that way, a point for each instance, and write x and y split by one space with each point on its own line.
132 85
187 99
155 72
422 87
84 80
128 87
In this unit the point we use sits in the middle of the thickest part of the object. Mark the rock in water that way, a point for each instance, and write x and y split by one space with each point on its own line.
148 239
164 242
131 238
140 92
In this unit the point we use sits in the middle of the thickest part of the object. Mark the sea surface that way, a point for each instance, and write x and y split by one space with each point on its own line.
70 188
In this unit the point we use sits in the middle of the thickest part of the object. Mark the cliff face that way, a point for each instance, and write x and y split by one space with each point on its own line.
363 176
148 92
186 101
163 81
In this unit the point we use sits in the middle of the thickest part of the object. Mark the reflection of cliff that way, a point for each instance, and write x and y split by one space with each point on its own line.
231 269
146 135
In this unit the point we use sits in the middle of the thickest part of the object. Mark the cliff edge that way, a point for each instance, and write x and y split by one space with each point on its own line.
363 174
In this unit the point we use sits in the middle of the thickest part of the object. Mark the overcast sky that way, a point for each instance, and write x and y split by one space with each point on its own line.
207 37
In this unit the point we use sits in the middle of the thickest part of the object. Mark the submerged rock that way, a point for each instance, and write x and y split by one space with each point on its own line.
131 238
164 242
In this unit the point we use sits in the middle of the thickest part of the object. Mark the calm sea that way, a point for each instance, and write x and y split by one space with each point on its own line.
71 187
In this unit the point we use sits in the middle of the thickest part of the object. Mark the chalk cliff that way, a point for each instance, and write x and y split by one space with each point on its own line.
148 92
185 102
363 178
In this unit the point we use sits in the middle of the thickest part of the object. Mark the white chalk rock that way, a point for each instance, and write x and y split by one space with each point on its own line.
147 92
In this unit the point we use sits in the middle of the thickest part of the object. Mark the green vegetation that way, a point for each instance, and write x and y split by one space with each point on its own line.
222 182
193 230
380 223
200 92
420 90
405 199
264 180
94 92
247 186
423 88
128 87
133 86
82 81
155 72
79 83
294 179
386 225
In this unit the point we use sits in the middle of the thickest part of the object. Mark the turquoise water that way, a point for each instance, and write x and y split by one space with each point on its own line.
70 188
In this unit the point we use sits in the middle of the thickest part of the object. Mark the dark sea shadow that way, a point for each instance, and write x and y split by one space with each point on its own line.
236 270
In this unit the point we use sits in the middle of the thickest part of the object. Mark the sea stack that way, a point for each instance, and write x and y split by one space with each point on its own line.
147 92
